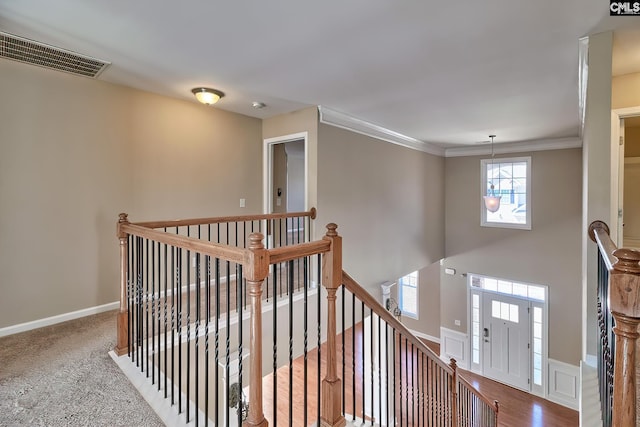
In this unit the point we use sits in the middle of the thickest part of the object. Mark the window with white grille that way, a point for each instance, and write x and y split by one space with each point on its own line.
408 294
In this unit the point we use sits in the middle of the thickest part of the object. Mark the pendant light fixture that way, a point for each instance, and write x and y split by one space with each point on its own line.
491 201
206 95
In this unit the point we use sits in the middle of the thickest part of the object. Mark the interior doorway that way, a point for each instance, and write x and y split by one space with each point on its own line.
626 176
285 164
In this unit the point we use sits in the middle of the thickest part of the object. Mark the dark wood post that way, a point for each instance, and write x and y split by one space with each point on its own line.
454 393
624 300
122 341
257 268
331 410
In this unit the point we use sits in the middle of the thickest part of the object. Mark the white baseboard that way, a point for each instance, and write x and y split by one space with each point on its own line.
425 336
564 384
48 321
453 344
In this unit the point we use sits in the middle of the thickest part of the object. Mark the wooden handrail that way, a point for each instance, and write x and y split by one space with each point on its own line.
353 287
300 250
599 233
311 213
227 253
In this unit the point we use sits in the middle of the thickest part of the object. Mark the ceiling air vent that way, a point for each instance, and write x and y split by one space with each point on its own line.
43 55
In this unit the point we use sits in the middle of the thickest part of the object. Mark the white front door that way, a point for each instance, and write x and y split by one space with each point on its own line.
505 334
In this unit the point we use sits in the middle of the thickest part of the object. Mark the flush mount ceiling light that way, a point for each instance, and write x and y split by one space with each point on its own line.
491 201
207 96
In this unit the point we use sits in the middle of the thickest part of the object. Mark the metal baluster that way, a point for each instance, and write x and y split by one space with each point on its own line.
179 338
239 284
344 407
290 293
153 315
147 277
306 301
363 353
319 275
275 349
174 276
217 334
379 372
393 352
197 333
371 363
353 355
167 272
159 312
130 293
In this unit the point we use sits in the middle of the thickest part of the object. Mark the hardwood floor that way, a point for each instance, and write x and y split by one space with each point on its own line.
517 408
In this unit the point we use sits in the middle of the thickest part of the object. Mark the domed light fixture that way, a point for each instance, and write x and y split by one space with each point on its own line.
491 201
207 96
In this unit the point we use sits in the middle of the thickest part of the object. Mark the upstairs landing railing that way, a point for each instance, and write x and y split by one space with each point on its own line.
618 308
193 308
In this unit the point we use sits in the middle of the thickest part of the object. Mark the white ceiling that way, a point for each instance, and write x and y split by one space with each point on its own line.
447 73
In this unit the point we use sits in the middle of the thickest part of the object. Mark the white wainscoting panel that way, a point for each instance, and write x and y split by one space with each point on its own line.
453 344
564 384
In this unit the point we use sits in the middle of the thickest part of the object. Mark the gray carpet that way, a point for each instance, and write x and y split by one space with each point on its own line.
62 375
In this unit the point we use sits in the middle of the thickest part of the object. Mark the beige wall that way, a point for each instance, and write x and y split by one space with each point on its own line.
632 142
387 201
74 153
548 254
625 91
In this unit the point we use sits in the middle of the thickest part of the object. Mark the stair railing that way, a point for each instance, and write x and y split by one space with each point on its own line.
397 379
618 312
184 281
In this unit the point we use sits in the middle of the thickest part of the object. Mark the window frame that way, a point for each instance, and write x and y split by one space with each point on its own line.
483 188
401 286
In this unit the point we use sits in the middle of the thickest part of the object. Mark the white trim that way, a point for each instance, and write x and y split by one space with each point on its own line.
48 321
615 161
267 155
515 147
564 384
344 121
425 336
454 345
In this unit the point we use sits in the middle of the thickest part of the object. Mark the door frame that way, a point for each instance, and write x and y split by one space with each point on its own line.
537 390
617 171
267 172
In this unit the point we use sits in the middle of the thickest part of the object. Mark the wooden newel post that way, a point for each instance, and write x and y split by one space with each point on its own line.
331 410
624 301
454 393
257 268
122 342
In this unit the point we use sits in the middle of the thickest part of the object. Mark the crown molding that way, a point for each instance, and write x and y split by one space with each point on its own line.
344 121
515 147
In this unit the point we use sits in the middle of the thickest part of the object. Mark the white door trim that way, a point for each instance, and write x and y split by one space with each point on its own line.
267 176
538 390
617 165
